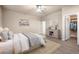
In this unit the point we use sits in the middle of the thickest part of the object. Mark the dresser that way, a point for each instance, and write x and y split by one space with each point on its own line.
53 33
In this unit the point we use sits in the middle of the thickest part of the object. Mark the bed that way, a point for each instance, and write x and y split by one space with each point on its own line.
21 42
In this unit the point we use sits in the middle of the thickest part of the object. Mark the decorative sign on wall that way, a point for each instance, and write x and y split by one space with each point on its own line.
24 22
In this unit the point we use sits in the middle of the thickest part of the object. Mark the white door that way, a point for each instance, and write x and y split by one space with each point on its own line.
67 28
44 27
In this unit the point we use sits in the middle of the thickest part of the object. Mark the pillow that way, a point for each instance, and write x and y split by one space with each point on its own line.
7 35
10 35
4 35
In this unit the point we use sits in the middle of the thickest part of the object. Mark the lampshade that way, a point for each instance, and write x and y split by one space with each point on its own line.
6 29
1 29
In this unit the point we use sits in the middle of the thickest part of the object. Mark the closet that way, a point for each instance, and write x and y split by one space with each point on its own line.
73 26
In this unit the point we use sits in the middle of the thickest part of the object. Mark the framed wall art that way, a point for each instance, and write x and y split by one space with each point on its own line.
23 22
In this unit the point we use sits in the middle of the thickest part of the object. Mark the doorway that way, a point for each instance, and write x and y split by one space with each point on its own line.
71 27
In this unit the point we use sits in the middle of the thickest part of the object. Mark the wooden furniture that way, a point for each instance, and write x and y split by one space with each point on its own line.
53 33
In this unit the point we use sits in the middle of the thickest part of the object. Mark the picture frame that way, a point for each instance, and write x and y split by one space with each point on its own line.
23 22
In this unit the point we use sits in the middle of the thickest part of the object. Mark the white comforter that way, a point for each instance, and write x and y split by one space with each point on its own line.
18 44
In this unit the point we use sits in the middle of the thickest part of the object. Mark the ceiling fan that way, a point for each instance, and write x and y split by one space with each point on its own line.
40 8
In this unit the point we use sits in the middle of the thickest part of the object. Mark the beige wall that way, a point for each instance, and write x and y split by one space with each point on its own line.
11 19
53 19
0 16
70 10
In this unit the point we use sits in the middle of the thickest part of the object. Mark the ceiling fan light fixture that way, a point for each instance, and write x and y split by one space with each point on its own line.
39 8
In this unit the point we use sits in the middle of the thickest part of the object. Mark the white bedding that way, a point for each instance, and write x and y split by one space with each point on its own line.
6 47
18 44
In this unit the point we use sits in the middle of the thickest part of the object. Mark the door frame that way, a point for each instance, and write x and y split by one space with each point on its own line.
67 29
63 26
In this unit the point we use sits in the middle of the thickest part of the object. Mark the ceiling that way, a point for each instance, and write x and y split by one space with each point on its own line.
31 9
